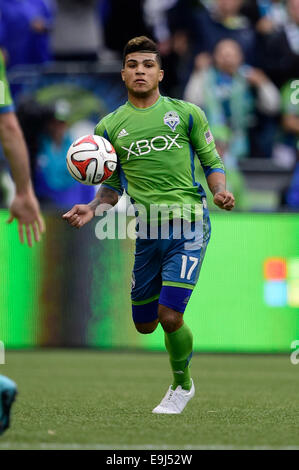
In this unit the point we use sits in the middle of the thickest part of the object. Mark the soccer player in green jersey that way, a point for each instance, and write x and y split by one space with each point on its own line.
24 207
156 139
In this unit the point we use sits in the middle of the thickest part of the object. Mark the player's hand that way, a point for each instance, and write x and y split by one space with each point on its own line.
25 208
79 215
225 200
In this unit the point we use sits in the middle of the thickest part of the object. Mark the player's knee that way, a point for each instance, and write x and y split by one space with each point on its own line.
170 319
146 328
145 317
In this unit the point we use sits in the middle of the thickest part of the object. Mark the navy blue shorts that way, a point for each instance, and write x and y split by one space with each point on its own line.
166 270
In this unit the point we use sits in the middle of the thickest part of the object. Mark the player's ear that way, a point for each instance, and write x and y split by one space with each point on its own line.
161 75
122 74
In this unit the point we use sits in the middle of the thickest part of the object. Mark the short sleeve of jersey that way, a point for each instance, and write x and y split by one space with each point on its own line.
114 181
203 142
6 103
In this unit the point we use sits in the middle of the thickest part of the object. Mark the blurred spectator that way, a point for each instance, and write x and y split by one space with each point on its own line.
46 131
266 15
53 183
177 61
33 118
223 19
123 21
287 152
280 49
286 143
172 33
290 112
273 16
226 90
155 16
24 31
77 33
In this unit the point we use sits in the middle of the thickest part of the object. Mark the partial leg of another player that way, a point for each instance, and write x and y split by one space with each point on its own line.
8 391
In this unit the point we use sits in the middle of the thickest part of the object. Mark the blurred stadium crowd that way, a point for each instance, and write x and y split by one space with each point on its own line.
237 59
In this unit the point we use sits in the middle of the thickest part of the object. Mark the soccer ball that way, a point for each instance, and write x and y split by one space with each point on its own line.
91 159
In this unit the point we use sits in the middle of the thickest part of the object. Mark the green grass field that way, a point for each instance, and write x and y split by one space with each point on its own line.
82 399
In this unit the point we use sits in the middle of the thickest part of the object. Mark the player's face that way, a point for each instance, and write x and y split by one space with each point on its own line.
142 73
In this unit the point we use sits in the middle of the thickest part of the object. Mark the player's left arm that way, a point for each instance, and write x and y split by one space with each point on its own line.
222 198
212 164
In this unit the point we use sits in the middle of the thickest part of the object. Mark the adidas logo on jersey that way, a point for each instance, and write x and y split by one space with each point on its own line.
122 133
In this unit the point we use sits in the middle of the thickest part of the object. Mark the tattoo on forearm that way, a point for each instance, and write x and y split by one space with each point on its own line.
104 196
107 196
217 188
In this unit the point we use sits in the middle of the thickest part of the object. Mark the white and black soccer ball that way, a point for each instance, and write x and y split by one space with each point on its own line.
91 159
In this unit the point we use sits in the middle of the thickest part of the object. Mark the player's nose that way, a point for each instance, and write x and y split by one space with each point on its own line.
140 69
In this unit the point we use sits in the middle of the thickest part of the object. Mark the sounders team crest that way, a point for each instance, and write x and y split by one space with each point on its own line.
171 119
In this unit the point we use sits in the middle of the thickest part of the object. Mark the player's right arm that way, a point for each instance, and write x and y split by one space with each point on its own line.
81 214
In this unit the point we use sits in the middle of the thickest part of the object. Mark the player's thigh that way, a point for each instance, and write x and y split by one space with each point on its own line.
181 266
146 282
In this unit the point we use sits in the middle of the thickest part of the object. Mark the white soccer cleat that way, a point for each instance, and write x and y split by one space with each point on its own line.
175 400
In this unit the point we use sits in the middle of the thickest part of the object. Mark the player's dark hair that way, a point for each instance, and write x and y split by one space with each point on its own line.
141 44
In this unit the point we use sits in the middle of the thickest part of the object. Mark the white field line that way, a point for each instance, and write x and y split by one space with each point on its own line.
150 447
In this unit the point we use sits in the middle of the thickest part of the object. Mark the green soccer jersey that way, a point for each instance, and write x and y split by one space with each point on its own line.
156 148
6 103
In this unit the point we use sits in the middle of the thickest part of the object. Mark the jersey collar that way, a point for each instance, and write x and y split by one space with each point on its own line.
145 109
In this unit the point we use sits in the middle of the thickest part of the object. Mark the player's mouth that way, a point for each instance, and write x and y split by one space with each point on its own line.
139 80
